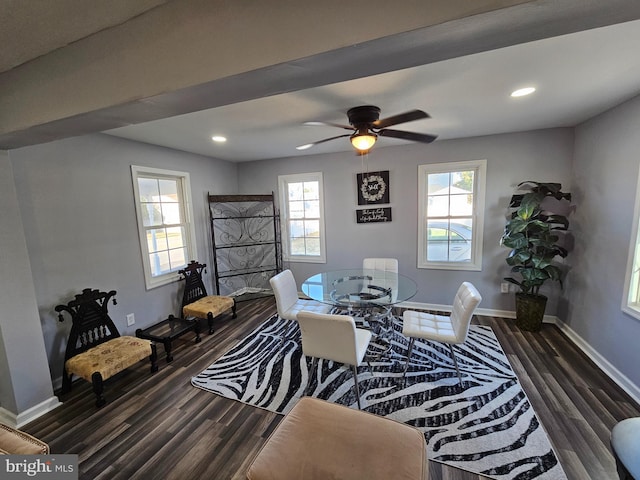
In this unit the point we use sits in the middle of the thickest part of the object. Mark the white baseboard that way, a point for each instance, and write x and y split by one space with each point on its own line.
612 372
29 415
244 290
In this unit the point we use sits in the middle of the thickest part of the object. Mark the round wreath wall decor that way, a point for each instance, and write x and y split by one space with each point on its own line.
373 188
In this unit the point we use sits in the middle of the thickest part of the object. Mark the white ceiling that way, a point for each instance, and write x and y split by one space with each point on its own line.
577 76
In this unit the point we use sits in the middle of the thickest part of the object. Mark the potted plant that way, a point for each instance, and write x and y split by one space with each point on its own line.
533 233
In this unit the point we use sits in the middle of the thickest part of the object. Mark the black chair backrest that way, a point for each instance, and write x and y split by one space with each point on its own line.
193 287
91 322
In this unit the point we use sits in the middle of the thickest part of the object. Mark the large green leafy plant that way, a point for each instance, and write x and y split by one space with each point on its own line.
532 235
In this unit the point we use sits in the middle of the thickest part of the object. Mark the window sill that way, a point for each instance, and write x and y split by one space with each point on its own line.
632 311
469 267
151 283
305 259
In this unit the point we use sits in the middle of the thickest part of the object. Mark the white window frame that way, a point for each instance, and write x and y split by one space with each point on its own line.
187 211
480 177
631 294
283 187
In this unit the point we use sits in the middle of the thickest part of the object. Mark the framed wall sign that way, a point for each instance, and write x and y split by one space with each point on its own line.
373 215
373 188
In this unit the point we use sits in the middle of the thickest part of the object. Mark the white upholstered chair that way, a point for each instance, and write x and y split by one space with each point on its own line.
287 301
336 338
625 444
381 265
451 329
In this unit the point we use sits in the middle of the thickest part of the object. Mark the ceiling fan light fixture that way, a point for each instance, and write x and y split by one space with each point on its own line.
363 141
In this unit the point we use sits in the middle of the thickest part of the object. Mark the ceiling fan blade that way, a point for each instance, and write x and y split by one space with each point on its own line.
309 145
415 137
329 124
409 116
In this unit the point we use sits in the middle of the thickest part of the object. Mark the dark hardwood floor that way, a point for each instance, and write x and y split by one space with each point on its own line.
159 426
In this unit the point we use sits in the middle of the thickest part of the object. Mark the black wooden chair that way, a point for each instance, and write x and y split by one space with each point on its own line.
95 349
195 301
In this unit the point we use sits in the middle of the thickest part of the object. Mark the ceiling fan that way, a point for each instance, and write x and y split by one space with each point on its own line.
366 125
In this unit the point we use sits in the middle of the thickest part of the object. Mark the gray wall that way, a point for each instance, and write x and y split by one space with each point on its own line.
24 374
605 175
543 155
76 201
76 205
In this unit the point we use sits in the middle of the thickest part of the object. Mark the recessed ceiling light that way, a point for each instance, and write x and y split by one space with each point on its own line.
219 138
521 92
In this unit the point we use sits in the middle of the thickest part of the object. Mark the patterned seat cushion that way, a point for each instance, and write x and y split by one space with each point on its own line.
109 358
213 304
15 442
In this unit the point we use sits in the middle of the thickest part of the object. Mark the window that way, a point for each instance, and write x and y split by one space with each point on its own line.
302 217
631 297
450 211
167 236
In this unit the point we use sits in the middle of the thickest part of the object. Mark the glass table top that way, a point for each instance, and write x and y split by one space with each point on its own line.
359 287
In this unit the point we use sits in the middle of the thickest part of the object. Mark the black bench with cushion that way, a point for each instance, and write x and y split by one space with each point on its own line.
95 350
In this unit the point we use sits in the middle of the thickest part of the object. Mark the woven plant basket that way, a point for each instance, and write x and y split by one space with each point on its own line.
530 311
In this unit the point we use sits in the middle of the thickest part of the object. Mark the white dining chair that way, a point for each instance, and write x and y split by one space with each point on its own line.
336 338
288 303
381 266
451 330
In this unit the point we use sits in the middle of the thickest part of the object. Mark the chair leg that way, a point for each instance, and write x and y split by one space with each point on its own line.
196 330
314 366
355 381
210 323
96 381
286 336
66 382
233 309
455 362
406 365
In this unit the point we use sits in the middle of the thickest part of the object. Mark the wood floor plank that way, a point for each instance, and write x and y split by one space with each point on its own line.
159 426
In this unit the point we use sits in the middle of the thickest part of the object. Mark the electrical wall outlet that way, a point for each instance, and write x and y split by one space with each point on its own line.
131 319
504 287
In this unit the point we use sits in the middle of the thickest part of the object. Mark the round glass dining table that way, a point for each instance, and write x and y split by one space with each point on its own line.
359 288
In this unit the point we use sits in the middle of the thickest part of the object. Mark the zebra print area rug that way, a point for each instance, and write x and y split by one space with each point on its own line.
487 426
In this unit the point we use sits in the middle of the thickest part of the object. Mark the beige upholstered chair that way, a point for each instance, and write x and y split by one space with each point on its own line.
451 329
287 301
336 338
16 442
318 440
